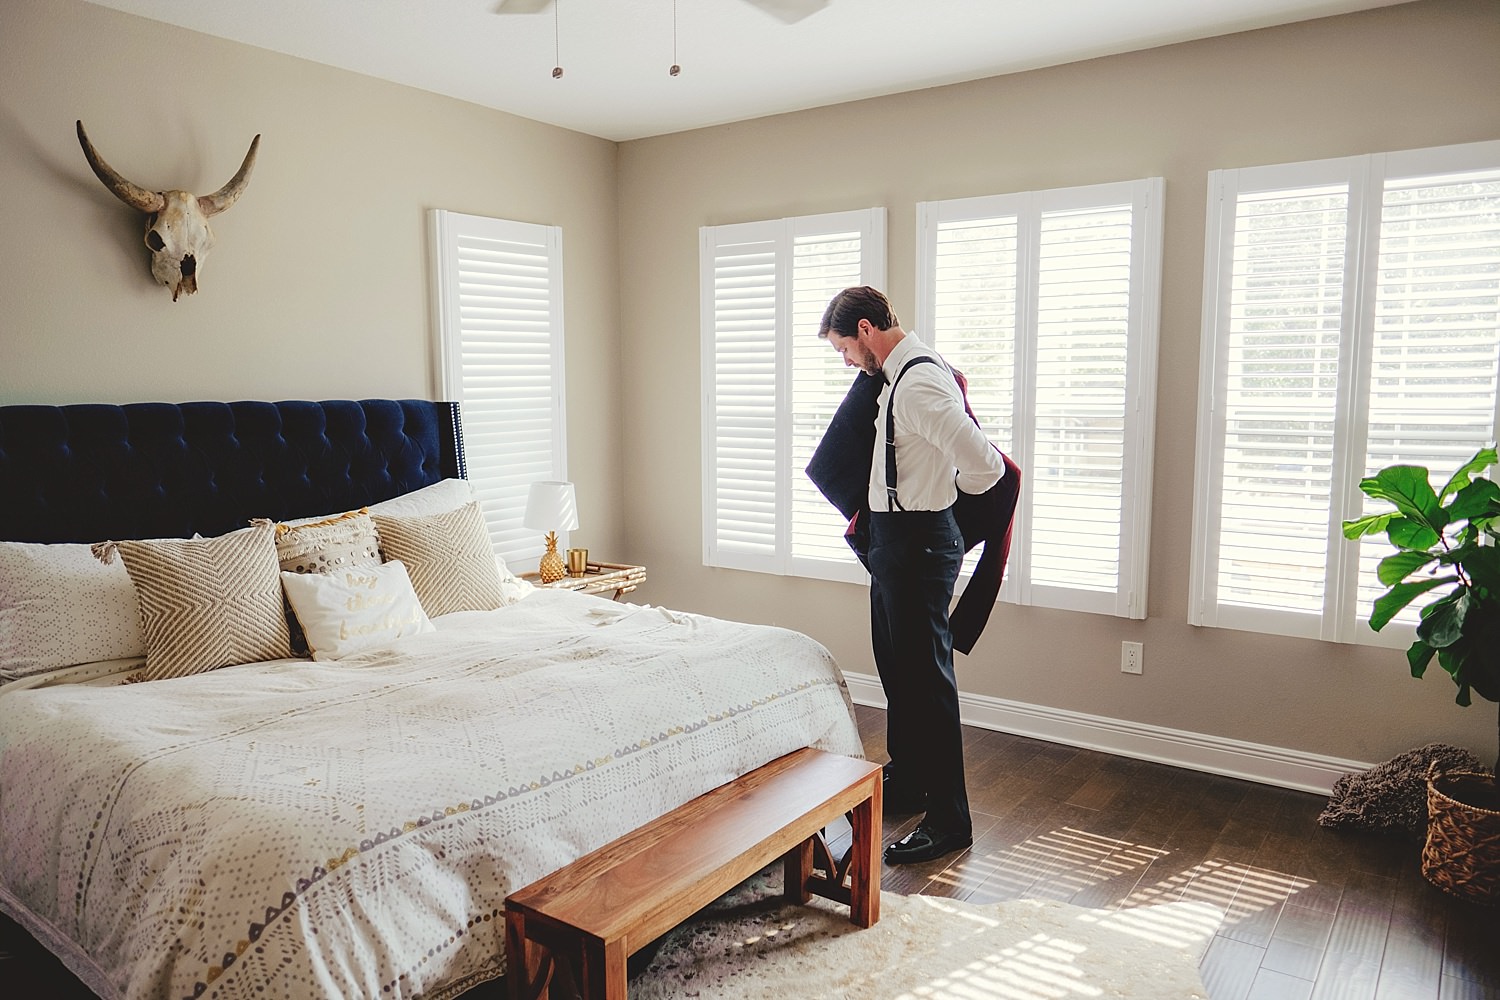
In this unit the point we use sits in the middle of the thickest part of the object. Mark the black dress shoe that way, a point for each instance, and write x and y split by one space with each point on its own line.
925 843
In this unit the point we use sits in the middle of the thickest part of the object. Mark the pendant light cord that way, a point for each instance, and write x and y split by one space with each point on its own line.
675 68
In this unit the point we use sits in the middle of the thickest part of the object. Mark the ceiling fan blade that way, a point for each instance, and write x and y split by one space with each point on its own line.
790 11
521 6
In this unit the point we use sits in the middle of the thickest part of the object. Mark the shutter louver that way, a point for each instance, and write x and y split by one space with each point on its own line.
1437 334
822 266
1286 304
975 322
1077 465
501 323
744 418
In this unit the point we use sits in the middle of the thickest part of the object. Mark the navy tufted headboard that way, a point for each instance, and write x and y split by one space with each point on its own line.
89 472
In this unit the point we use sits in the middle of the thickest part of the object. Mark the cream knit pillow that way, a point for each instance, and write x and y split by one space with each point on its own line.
205 603
448 557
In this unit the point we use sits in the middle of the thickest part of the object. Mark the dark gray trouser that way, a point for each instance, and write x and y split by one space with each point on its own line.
915 557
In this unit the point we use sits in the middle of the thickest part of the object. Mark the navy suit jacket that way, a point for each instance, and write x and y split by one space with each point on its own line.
840 468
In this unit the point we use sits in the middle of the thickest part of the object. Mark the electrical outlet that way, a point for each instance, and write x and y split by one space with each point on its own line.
1130 657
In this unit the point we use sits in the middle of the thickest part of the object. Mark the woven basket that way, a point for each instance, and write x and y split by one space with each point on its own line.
1462 853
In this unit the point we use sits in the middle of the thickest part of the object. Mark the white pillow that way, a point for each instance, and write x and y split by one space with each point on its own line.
352 609
59 606
436 498
439 498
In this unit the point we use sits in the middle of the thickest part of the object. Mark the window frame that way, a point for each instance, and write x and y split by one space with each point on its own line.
781 236
501 480
1342 618
1146 199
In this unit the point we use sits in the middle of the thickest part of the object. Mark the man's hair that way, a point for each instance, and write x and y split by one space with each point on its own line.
854 304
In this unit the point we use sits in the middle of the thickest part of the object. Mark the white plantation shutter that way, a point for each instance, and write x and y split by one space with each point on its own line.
771 386
1048 303
500 325
741 515
823 265
1351 321
1285 318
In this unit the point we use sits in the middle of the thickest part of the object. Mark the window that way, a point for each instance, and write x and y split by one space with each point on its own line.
1351 321
499 302
771 385
1048 302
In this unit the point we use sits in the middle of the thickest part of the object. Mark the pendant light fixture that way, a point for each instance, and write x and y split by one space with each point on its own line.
676 69
556 42
557 70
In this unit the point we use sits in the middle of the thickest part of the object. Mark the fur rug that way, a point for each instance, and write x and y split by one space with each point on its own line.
747 945
1391 798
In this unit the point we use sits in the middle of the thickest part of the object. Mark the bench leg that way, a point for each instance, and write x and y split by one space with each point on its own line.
796 871
864 888
529 966
603 970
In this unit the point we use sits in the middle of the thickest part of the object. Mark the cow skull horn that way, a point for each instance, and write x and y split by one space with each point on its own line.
213 204
177 229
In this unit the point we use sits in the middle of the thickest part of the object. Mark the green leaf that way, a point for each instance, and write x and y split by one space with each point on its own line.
1389 604
1482 563
1478 499
1408 534
1485 458
1406 487
1372 524
1443 621
1453 662
1419 654
1393 569
1482 670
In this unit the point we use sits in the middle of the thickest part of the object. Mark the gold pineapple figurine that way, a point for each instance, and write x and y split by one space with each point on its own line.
552 568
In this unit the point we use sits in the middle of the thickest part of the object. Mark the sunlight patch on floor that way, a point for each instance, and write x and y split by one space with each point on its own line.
1239 890
1074 858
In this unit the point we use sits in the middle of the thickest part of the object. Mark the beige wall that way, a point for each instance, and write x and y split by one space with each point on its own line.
318 287
1415 75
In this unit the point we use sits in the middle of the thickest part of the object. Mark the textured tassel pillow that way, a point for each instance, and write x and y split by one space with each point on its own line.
205 603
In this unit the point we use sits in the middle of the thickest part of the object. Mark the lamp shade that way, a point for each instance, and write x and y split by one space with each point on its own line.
550 507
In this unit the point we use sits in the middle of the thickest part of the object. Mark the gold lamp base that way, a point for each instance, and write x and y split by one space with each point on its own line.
551 568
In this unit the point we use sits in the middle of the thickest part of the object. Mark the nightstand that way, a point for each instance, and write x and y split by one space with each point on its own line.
605 579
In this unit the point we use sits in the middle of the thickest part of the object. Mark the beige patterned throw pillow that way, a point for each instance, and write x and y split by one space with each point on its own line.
60 607
448 557
206 603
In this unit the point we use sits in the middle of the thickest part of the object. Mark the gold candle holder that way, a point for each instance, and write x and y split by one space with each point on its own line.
578 562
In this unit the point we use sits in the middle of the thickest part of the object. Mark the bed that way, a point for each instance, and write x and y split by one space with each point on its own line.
347 821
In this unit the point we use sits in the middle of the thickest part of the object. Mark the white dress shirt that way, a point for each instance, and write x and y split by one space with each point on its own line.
939 450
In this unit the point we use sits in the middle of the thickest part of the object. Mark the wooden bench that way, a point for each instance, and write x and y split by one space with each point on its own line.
597 911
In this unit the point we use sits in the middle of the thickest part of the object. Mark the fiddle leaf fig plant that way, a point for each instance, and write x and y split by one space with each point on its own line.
1445 546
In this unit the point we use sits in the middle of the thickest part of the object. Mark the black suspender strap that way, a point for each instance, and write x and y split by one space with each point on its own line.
891 503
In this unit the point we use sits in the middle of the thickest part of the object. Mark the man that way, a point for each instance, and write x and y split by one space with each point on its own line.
915 553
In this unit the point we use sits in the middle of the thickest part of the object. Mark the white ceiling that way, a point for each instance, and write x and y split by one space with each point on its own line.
740 59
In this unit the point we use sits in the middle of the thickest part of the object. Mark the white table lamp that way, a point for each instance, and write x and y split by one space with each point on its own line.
550 507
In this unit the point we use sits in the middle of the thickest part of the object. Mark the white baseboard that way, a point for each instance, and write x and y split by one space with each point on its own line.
1197 751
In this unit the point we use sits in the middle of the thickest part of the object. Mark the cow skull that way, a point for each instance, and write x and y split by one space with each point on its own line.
177 227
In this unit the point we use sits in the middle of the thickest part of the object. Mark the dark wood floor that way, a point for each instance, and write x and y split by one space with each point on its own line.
1310 912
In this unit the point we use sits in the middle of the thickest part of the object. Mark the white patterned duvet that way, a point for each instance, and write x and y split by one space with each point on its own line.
351 829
